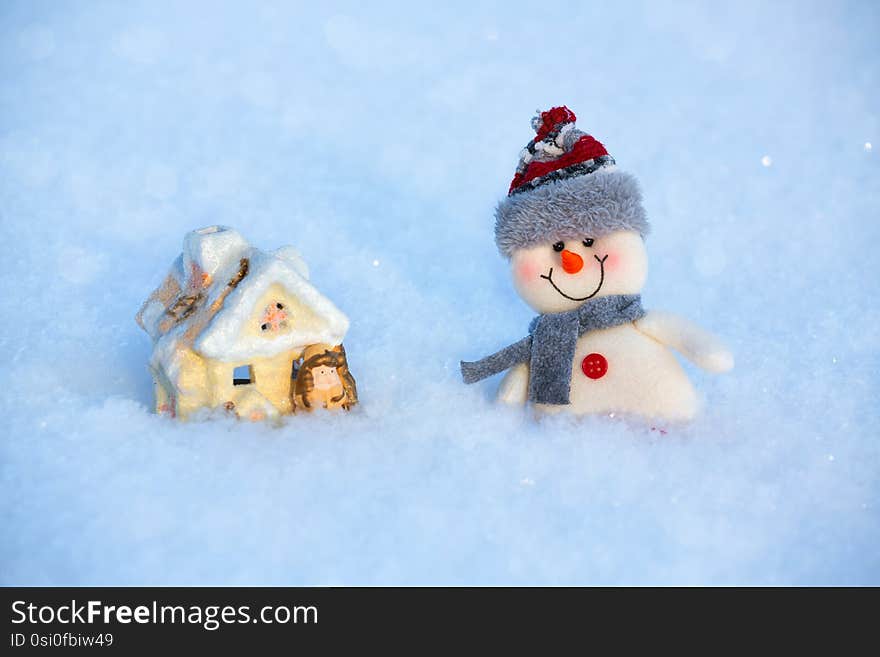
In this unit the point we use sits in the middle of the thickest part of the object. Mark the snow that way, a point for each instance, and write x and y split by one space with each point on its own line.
377 141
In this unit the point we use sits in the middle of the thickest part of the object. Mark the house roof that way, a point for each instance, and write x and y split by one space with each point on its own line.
211 291
224 338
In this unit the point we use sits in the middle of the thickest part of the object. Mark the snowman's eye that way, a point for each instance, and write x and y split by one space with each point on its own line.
558 246
588 242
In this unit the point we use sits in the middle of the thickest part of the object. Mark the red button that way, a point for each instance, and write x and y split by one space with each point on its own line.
595 366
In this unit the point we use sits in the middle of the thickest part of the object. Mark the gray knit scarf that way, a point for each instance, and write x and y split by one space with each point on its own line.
549 347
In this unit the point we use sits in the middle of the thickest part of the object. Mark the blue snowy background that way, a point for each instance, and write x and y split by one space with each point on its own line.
377 139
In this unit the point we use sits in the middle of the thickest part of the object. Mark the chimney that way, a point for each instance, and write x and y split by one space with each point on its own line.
212 248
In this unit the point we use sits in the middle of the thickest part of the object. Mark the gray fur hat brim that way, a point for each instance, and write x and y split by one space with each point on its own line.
582 206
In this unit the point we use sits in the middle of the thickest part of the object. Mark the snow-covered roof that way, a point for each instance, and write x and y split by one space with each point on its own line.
209 297
225 337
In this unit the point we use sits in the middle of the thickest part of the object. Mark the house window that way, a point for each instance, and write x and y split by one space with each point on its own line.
275 318
243 375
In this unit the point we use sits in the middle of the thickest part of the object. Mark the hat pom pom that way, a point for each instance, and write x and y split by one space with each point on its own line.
546 122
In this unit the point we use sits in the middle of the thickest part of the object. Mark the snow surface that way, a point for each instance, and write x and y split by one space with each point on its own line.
377 142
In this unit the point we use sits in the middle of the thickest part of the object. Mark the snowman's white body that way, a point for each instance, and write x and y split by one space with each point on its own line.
643 376
638 373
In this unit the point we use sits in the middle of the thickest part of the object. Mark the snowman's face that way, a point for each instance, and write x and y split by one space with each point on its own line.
560 276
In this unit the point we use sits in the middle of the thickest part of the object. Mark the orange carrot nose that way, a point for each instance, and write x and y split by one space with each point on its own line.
572 263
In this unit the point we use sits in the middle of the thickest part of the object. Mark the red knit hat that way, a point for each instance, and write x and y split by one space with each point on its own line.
559 150
566 185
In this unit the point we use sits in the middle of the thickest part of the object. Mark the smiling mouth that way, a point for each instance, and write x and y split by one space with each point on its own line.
601 261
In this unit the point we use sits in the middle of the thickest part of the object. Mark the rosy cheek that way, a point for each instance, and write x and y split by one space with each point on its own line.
527 270
612 261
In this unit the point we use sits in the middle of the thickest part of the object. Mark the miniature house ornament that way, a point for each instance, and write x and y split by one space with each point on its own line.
573 228
230 325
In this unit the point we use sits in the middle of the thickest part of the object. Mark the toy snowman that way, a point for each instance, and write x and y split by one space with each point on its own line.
573 228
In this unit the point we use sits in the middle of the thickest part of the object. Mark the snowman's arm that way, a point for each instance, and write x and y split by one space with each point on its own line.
694 343
514 388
